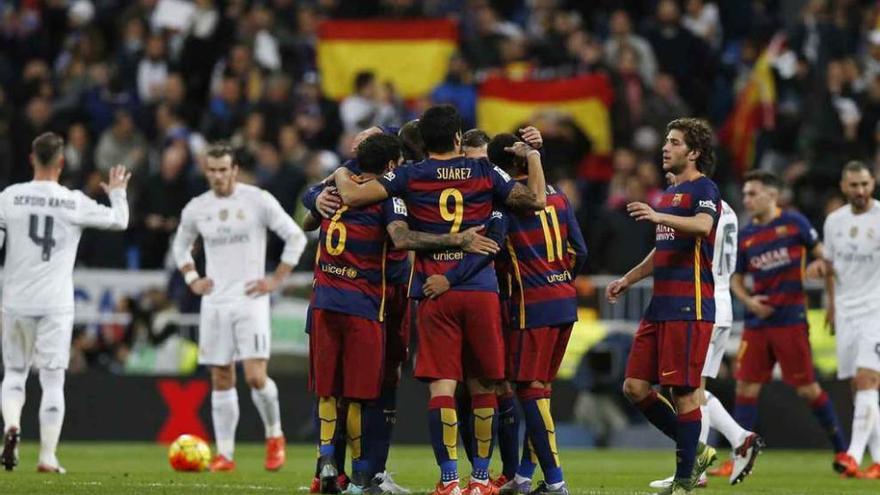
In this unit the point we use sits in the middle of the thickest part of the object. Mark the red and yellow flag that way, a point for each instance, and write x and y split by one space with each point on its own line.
504 104
754 109
412 54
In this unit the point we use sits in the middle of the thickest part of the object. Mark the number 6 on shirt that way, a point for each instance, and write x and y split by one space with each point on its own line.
336 226
457 213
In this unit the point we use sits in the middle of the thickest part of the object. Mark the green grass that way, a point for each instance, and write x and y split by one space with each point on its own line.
116 468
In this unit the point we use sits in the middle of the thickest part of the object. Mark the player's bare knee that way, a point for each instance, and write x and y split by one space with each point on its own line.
481 385
442 387
222 377
636 390
748 389
255 374
809 392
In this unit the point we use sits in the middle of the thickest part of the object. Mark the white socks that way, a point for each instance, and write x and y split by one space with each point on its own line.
266 400
722 421
51 414
874 441
12 397
224 411
865 417
704 424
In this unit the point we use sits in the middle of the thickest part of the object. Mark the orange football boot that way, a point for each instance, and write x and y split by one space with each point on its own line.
221 464
447 489
845 465
724 469
275 455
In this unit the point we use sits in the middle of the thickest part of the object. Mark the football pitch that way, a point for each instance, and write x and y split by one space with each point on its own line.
97 468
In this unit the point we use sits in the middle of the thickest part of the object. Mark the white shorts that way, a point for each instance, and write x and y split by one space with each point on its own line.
234 332
858 343
715 354
42 341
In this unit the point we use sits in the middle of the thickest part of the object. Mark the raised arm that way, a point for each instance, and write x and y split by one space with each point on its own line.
93 214
532 196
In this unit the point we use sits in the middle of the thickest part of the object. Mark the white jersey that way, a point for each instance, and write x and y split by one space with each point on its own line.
233 229
43 222
724 263
852 243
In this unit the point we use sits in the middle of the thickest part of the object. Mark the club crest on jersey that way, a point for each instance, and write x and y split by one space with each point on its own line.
782 230
853 231
676 200
870 233
223 215
239 214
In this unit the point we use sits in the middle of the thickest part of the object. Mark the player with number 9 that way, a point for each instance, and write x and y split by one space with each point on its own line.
41 222
459 332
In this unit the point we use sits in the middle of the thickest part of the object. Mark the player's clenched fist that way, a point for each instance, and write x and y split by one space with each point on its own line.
615 289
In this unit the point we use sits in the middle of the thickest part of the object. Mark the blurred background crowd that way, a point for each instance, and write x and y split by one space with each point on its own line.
135 82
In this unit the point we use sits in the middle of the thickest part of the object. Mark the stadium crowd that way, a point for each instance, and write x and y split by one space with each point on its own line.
125 83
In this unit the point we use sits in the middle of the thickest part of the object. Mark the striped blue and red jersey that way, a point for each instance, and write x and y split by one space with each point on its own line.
445 196
545 251
775 254
397 266
684 287
350 269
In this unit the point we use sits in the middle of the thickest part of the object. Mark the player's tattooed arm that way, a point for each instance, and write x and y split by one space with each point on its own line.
469 240
532 196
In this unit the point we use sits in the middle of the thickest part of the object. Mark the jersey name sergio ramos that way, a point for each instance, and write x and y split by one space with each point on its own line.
233 229
852 243
42 222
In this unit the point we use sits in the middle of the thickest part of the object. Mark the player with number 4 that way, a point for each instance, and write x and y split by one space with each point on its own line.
41 222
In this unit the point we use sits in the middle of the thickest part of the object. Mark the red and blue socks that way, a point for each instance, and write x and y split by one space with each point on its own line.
660 413
443 427
541 432
823 409
745 411
508 435
686 438
484 421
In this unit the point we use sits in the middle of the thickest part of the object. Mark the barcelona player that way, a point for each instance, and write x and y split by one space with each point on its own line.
545 251
348 309
773 249
323 200
673 338
459 333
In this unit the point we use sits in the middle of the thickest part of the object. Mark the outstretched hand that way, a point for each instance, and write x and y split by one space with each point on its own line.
118 179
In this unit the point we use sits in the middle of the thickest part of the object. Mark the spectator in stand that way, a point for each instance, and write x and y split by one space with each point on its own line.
704 21
317 117
77 157
152 71
165 194
622 37
226 111
459 89
618 241
364 108
122 144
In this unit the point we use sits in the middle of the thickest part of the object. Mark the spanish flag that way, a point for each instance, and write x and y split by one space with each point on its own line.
754 109
504 104
412 54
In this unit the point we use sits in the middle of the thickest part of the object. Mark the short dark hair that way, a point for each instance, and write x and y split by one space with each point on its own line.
438 127
475 138
765 177
498 156
374 153
411 140
697 137
856 166
219 149
46 147
363 79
